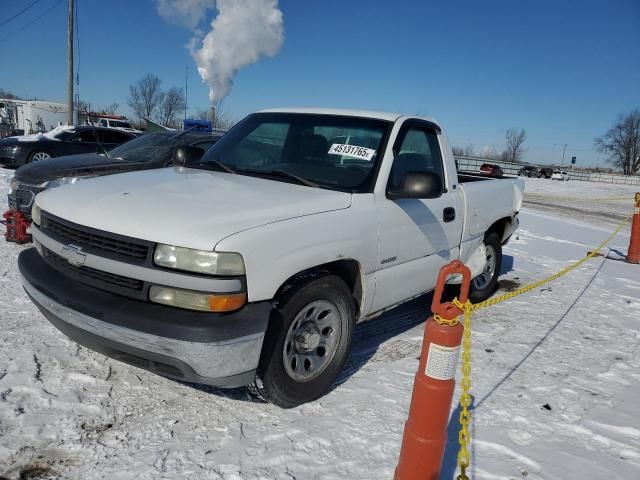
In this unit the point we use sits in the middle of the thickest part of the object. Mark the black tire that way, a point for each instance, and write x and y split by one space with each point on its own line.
481 289
273 383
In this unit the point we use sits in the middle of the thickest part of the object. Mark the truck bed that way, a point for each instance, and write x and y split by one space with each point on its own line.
492 199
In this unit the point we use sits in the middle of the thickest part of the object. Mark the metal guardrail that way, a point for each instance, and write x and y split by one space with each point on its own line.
509 168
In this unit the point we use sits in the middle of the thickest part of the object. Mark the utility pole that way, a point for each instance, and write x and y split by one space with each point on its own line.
70 64
186 89
563 150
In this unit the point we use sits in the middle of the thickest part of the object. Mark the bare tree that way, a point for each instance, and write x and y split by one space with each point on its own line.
7 94
515 145
111 109
622 143
145 96
457 151
84 106
172 104
218 115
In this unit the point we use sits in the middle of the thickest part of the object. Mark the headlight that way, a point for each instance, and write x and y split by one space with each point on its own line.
13 185
200 261
208 302
35 214
9 149
58 182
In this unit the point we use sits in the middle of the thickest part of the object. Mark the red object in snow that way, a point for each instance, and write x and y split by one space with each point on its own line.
16 227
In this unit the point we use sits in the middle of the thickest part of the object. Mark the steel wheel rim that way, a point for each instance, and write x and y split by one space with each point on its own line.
484 279
312 340
39 156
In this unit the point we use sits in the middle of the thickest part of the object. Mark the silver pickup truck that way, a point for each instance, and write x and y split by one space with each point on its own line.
252 264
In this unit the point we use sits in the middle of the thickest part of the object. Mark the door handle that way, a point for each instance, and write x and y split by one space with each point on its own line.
449 214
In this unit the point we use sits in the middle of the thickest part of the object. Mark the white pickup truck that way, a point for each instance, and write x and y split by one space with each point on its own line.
252 264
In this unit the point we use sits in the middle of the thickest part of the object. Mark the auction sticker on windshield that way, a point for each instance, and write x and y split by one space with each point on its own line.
352 151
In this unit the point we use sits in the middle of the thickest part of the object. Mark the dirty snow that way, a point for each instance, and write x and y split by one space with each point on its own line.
556 382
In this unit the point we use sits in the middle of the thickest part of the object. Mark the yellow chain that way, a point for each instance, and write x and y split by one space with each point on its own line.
464 460
495 300
445 321
581 199
464 437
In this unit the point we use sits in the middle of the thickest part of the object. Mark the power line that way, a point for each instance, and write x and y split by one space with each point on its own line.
31 22
19 13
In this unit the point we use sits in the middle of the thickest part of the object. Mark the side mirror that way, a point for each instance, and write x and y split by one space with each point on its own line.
186 155
418 185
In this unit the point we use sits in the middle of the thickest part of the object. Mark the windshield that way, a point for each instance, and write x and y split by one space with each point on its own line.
329 151
151 147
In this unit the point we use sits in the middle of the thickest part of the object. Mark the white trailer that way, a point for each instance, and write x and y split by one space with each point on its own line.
23 117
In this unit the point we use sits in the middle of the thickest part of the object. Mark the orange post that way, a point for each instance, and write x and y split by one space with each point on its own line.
425 432
633 254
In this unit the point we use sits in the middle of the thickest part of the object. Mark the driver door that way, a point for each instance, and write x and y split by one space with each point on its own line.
417 236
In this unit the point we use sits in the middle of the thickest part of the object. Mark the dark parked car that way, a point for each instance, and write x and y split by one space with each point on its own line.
545 172
153 150
17 151
528 171
491 170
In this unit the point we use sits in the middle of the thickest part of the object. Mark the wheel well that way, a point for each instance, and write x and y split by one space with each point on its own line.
40 150
499 227
348 270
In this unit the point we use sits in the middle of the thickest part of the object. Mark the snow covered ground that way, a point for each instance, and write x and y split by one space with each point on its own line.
556 382
600 203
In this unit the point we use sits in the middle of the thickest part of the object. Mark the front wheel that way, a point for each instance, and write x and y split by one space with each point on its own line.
483 286
39 156
307 342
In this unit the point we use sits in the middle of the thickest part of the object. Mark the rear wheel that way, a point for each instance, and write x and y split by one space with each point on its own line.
483 286
307 342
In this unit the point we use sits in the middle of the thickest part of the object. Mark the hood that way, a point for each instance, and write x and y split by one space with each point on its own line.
8 141
185 207
83 165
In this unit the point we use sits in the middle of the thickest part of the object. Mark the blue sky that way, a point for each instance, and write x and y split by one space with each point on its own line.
563 70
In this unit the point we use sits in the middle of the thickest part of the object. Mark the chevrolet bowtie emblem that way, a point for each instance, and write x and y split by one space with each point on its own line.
73 254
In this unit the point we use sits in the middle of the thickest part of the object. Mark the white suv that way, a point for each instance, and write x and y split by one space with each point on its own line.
119 125
560 175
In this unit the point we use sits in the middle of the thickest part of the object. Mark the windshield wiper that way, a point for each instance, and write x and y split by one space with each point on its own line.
218 164
281 173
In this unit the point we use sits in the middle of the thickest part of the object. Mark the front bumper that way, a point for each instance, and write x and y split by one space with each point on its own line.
9 158
214 349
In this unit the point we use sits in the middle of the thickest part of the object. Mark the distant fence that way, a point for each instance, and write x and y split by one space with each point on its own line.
509 168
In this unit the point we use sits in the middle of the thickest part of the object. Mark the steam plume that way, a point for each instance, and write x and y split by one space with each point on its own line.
241 33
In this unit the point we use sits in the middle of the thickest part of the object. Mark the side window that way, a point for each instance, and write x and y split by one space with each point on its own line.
113 137
103 123
419 151
85 136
